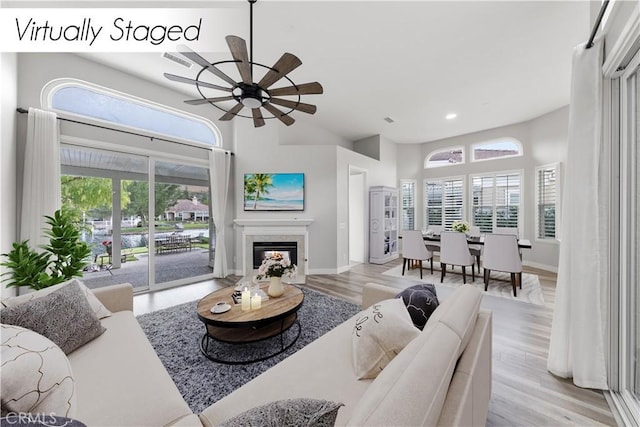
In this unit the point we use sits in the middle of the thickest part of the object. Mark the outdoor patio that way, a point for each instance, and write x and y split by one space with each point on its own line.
169 266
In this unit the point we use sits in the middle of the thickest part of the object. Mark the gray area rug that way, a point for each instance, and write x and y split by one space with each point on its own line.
175 334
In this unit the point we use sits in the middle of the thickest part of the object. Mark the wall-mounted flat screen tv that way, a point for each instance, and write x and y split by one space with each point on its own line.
273 191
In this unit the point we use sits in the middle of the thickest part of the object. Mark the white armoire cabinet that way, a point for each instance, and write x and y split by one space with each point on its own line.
383 224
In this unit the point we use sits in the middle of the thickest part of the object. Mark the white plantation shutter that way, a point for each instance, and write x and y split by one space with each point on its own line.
408 204
546 201
496 201
482 187
507 200
444 202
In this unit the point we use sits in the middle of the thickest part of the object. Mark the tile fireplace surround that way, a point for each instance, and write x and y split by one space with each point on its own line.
273 230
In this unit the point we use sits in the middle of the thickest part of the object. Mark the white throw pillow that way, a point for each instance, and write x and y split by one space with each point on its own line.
98 308
36 375
380 333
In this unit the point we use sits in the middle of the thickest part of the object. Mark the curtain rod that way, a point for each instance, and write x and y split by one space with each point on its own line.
594 30
23 111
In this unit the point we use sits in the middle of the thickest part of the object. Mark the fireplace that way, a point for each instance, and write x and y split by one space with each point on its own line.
261 250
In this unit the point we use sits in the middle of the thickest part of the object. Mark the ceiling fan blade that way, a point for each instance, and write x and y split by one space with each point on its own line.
300 106
238 48
181 79
286 119
195 57
286 64
314 88
258 120
232 113
208 100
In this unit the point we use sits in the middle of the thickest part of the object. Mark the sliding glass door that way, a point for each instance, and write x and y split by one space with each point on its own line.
101 189
151 233
182 233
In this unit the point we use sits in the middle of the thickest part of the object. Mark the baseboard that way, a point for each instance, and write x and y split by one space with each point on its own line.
551 268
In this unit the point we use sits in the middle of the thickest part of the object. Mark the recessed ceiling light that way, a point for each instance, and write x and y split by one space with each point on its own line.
451 116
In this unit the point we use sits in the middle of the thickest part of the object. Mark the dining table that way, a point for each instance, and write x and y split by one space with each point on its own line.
474 240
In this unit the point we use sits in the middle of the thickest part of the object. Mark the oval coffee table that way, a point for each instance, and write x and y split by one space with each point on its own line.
274 317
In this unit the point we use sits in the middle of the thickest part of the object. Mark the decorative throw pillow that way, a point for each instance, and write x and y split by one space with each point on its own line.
36 375
64 316
421 300
97 307
380 333
288 413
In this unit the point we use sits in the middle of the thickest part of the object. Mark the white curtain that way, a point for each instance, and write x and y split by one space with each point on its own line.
41 175
577 347
219 169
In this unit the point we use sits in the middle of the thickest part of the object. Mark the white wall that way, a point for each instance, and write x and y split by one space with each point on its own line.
8 104
544 142
259 150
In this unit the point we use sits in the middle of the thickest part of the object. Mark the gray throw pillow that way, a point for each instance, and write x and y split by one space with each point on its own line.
288 413
63 316
421 300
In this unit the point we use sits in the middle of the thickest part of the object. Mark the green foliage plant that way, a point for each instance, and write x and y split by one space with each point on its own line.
63 258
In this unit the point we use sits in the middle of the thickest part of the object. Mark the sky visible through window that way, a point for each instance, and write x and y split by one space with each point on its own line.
88 103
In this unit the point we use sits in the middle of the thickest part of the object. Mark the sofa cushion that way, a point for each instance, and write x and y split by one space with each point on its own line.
417 379
98 308
120 381
288 413
64 316
379 334
421 301
36 374
459 312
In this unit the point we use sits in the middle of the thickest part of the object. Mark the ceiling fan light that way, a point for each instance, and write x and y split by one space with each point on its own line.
251 102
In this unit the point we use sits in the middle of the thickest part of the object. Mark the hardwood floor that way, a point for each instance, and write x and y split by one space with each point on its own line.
524 393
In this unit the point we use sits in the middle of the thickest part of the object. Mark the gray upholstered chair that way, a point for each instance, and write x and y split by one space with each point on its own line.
501 254
454 250
413 248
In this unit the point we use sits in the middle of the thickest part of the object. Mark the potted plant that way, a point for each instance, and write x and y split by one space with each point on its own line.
63 258
460 226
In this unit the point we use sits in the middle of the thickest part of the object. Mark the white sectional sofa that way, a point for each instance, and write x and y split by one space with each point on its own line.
442 377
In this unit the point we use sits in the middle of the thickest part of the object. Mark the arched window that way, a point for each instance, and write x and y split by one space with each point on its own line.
496 149
444 157
126 111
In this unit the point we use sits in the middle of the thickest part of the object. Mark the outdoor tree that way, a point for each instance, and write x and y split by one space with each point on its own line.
166 195
82 194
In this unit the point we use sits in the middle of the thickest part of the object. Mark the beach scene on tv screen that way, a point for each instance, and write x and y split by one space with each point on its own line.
274 191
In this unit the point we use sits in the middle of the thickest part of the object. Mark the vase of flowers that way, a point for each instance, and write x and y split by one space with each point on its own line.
460 226
274 267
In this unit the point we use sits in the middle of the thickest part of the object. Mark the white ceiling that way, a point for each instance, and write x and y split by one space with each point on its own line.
492 63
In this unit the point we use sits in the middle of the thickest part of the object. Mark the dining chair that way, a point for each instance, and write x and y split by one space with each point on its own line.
413 248
475 250
501 254
454 250
434 229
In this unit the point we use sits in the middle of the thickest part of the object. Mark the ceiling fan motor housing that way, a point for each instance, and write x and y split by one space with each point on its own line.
249 95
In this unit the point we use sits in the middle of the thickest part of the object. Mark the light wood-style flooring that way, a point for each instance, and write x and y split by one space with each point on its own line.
524 393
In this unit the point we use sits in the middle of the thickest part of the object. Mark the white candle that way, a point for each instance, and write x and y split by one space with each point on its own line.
246 299
256 301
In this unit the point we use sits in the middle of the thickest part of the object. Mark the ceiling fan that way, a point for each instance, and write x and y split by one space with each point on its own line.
246 92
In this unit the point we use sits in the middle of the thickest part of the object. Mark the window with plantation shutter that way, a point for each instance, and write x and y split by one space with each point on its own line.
496 201
546 201
444 202
408 204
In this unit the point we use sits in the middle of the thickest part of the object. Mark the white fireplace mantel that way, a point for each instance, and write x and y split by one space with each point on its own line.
274 229
274 222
